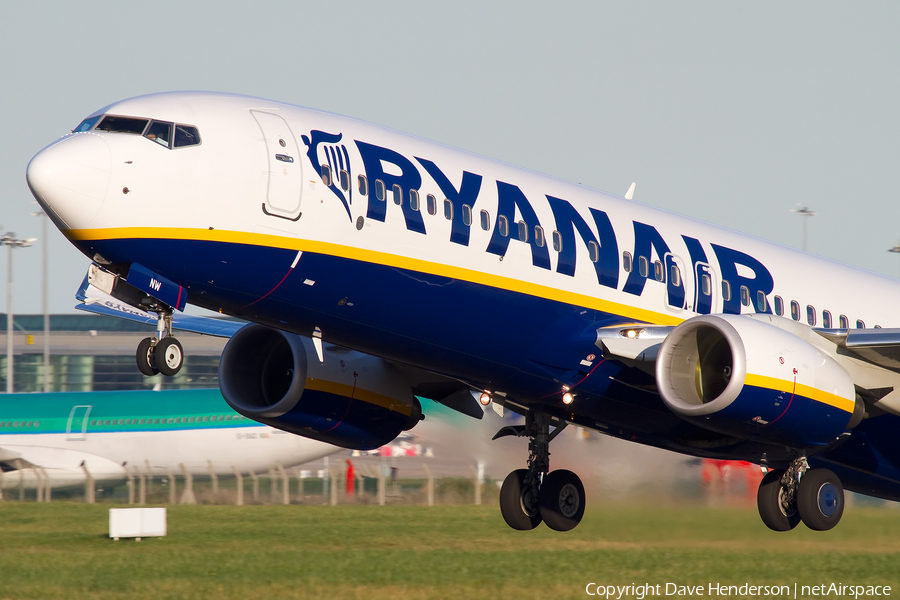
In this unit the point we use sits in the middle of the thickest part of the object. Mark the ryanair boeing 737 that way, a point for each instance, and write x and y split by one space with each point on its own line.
472 280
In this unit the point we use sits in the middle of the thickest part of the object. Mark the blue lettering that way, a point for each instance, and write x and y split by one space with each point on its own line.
568 221
336 157
374 159
647 241
467 194
700 266
510 198
760 282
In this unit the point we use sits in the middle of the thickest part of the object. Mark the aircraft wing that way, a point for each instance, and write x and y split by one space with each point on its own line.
640 343
98 302
880 347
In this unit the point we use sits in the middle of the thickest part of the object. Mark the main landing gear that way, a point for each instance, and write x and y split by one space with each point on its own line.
529 496
160 354
798 493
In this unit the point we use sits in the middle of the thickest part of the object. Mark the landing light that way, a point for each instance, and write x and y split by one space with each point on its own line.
485 399
568 398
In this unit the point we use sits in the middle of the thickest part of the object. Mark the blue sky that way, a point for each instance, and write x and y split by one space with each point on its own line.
733 113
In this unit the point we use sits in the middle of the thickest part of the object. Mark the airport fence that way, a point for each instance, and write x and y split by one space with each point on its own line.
277 485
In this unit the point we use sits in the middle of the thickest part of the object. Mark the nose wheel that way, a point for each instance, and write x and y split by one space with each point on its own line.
145 356
162 354
168 356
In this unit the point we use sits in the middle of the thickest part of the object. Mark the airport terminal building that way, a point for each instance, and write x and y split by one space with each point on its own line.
92 352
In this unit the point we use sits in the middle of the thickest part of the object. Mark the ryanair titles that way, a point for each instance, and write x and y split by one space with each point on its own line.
387 170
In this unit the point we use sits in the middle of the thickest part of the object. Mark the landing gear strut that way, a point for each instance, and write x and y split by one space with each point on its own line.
798 493
531 495
163 353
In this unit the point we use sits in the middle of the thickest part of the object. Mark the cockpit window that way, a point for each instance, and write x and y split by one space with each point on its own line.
86 125
185 135
164 133
160 132
123 125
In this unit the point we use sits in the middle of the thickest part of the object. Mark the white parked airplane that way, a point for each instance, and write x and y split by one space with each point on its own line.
57 439
561 303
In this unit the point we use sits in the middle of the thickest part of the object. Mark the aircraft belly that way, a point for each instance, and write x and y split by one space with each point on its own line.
484 335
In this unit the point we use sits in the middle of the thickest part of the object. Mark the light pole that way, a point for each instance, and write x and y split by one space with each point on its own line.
44 299
804 212
9 239
895 249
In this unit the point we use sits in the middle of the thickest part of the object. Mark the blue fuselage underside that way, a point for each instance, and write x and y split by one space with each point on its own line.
491 338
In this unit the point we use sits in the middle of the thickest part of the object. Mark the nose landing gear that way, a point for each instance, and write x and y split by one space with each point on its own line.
162 354
529 496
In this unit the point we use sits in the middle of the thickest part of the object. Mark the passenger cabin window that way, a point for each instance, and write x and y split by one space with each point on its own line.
860 324
379 190
397 192
431 204
448 210
745 295
795 310
726 291
593 251
467 215
659 273
414 199
844 322
123 125
557 241
523 231
344 176
811 315
779 306
826 319
627 263
503 225
159 132
643 266
761 304
485 220
185 135
362 185
326 174
539 236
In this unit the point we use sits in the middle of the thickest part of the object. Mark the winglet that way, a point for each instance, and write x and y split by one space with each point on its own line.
630 193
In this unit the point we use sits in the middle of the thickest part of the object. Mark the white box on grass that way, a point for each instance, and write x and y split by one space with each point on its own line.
137 522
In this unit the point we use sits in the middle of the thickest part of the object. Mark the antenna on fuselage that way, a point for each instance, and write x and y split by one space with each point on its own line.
630 193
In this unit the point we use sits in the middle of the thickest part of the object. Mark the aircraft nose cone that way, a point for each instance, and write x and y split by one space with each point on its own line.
70 179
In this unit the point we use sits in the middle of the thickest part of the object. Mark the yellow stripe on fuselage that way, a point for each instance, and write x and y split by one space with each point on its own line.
789 387
379 258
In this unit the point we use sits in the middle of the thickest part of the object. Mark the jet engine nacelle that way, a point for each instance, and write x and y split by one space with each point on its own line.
351 400
746 378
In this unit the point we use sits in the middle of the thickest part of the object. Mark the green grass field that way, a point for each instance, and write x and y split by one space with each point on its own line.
61 550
